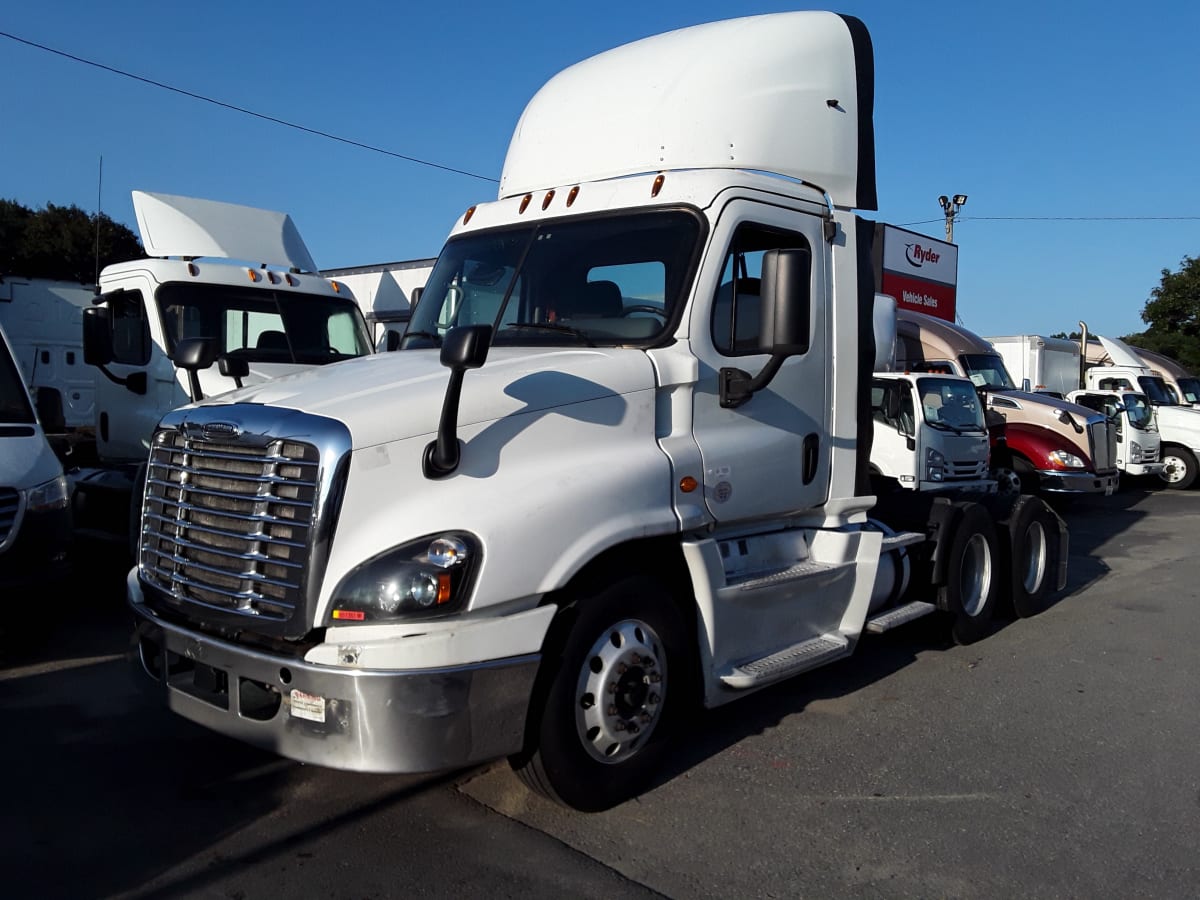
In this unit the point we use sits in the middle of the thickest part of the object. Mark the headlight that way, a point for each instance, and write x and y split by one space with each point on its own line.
1135 451
1066 460
421 579
935 464
52 494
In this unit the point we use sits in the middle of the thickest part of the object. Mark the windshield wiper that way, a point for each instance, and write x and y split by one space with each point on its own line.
551 326
437 339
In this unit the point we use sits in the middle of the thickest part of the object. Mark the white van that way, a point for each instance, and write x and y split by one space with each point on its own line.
35 514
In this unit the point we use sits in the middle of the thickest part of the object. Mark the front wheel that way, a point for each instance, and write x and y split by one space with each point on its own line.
609 698
1179 469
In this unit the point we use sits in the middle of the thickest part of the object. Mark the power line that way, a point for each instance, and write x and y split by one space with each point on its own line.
1062 219
243 110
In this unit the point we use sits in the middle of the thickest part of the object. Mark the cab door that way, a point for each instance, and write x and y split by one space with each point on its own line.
769 456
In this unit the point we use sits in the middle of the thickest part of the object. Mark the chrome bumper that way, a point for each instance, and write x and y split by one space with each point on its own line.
1077 482
411 721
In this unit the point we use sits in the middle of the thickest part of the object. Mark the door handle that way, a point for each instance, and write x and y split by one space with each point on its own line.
812 443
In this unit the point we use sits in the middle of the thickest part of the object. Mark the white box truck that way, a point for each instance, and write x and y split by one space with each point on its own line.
1038 363
620 466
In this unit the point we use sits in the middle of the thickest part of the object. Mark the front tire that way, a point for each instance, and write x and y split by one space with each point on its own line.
615 680
1179 471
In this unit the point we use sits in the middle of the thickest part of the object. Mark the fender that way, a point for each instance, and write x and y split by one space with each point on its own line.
1036 444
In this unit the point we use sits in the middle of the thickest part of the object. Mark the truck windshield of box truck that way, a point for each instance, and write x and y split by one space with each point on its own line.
264 326
609 280
950 404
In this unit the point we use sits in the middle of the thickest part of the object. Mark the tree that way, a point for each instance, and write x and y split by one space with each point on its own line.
1173 314
60 242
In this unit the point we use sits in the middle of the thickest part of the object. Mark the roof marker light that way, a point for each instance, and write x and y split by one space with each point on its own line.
525 203
290 280
467 215
253 276
337 288
273 277
547 199
658 183
571 196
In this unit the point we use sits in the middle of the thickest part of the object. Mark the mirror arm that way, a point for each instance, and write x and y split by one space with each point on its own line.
738 386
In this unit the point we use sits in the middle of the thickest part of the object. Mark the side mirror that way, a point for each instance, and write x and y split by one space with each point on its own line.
465 347
786 302
192 355
786 306
97 336
392 341
891 405
414 296
234 367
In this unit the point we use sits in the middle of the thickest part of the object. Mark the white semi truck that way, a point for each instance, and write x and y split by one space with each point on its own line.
228 297
619 468
35 514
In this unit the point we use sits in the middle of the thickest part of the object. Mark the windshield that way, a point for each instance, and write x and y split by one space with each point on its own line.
1190 388
612 280
15 408
950 403
986 370
1139 411
1156 389
264 325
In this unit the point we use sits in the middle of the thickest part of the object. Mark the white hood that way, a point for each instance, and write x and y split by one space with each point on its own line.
391 396
1123 355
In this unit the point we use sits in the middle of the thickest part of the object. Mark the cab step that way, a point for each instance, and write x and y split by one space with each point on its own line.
899 615
789 661
901 539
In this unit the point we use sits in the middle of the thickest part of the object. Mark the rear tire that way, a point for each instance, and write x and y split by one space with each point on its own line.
614 683
970 585
1179 473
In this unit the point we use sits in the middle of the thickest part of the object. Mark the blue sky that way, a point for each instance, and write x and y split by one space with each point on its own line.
1085 111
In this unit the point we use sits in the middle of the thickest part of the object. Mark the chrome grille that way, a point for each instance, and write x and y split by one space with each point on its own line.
1102 442
10 512
227 525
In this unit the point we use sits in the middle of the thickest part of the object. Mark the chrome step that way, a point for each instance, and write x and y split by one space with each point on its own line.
807 569
789 661
899 615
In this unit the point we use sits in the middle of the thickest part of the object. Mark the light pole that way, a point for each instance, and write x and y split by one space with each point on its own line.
951 206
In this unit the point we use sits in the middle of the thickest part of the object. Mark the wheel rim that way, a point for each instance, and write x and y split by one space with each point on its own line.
1008 482
1174 469
1033 552
975 575
620 691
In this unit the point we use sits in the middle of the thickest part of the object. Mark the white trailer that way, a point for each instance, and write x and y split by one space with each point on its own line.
1039 363
386 294
44 322
621 466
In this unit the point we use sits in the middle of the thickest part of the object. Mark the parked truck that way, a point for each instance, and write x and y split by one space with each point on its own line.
1182 384
1038 441
1178 424
1052 365
228 297
386 294
619 468
35 514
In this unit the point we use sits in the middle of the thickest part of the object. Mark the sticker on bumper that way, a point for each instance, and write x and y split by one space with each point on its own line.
308 706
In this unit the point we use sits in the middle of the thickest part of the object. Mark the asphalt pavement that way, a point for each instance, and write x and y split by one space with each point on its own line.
1055 758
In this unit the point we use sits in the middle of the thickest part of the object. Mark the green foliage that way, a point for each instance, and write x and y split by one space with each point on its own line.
1173 316
59 242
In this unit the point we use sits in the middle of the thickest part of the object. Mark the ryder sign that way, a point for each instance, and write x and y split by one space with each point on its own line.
920 272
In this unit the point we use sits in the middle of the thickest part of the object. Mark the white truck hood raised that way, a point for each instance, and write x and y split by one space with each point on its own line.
392 396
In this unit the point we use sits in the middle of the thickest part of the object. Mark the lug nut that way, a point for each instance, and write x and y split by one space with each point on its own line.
622 669
655 678
612 687
619 726
612 710
637 660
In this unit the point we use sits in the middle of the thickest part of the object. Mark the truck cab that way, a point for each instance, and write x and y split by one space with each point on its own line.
1138 442
233 282
929 434
35 514
1039 442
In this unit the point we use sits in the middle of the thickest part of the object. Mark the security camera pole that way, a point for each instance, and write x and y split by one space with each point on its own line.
951 206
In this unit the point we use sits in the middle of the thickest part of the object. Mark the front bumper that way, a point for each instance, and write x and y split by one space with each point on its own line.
1154 468
422 720
1056 481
